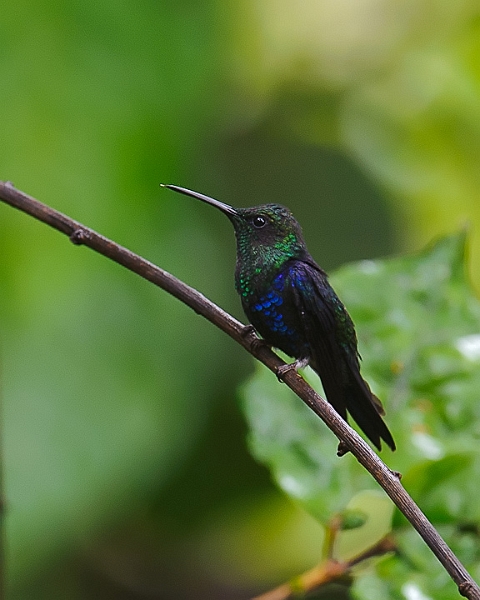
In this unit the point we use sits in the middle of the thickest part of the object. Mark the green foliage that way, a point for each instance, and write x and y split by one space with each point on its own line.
419 329
95 421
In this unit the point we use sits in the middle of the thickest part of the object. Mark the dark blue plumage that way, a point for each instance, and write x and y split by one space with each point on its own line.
288 299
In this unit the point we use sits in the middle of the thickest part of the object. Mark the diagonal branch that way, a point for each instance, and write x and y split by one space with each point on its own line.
245 336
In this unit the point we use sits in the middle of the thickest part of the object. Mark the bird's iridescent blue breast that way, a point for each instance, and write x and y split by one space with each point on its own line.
273 317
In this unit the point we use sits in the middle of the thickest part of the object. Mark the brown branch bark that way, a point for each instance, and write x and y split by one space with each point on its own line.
245 336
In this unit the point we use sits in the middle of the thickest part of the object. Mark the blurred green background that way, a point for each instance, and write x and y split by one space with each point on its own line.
126 469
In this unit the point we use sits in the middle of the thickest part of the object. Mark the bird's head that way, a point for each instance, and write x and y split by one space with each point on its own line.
268 231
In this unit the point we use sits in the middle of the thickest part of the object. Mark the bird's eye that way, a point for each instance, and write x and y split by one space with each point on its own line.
259 221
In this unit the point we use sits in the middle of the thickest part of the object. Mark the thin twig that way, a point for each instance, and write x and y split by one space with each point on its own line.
328 571
245 336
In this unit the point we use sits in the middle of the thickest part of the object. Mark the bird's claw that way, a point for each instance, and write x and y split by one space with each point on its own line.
282 370
255 342
247 330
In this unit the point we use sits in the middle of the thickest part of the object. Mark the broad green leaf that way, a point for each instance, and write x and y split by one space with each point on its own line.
376 511
298 448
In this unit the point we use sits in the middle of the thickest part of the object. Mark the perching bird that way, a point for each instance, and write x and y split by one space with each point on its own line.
288 299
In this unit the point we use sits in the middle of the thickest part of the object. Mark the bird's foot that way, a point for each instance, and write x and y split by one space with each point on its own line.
247 330
255 342
297 364
396 474
342 449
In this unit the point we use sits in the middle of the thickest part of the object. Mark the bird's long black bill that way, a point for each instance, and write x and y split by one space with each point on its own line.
225 208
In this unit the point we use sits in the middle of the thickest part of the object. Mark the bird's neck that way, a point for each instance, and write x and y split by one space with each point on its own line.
257 267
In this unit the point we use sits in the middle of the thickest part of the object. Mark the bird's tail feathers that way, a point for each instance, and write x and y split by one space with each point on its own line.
367 410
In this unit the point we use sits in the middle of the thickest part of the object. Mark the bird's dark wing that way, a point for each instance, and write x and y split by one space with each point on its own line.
315 303
332 341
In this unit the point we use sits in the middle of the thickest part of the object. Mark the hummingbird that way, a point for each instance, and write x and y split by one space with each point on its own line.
288 299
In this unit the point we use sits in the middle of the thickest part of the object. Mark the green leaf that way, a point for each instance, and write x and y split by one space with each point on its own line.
352 519
368 519
298 448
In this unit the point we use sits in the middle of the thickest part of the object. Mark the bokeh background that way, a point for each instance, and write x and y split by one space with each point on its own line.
126 469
